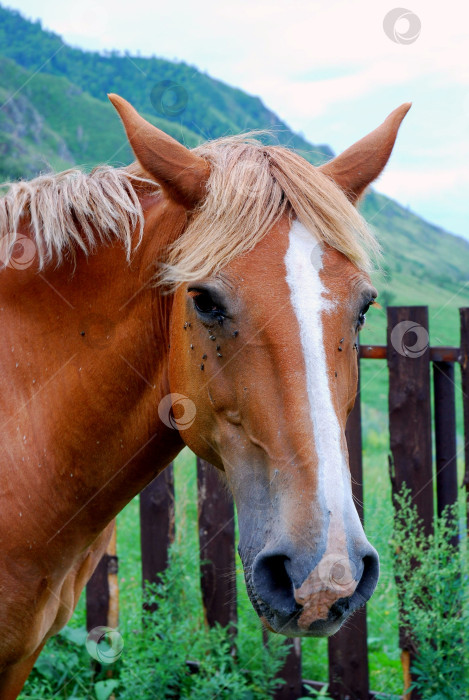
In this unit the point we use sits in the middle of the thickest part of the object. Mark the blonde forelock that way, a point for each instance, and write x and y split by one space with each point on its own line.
251 187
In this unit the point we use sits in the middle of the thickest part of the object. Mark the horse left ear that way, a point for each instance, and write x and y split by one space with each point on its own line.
354 169
181 173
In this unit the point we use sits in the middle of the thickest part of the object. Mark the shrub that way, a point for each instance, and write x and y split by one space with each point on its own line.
432 576
154 663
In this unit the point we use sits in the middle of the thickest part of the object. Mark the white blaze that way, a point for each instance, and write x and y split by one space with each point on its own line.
309 303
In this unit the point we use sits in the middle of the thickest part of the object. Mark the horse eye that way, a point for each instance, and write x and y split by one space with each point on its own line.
362 315
204 303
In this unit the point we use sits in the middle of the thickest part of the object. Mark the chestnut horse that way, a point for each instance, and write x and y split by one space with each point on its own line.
233 276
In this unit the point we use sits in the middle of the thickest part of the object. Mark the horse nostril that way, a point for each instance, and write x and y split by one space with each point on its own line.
368 579
273 584
339 608
363 591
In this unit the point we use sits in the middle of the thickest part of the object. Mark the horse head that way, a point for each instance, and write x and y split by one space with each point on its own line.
270 288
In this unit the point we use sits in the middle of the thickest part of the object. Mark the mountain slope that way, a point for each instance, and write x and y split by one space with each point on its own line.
205 106
47 120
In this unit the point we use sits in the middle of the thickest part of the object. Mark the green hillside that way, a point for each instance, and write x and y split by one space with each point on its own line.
51 122
205 107
55 114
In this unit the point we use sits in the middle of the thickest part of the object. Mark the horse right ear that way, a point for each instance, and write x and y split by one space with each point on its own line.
357 167
182 174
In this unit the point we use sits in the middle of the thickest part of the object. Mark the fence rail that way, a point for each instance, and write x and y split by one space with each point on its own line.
410 428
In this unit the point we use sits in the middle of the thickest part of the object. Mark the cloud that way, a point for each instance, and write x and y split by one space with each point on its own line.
404 183
307 99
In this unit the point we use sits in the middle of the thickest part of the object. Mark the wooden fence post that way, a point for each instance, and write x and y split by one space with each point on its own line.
348 649
102 596
102 592
217 548
410 421
464 360
291 673
445 437
156 526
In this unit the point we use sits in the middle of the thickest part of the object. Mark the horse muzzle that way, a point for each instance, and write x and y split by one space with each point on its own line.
296 598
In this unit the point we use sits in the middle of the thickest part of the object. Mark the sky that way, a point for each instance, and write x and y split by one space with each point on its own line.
331 69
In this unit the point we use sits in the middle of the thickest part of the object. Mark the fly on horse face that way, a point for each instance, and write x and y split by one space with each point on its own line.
235 275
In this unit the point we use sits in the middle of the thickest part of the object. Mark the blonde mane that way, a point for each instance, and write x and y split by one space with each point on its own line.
72 210
250 188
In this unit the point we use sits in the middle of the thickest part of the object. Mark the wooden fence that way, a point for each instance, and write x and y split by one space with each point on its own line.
409 360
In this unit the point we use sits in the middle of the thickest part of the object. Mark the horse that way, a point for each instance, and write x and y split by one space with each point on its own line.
229 281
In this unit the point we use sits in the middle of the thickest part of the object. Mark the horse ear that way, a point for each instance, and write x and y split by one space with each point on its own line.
181 173
354 169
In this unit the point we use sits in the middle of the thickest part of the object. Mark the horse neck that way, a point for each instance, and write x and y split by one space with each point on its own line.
89 368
